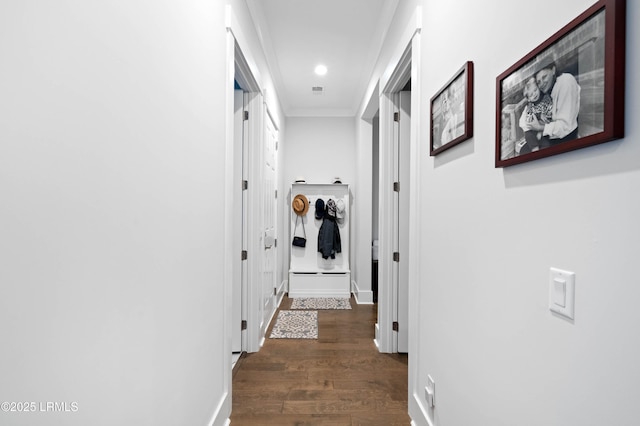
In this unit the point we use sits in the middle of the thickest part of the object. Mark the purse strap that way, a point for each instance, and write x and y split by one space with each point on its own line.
296 226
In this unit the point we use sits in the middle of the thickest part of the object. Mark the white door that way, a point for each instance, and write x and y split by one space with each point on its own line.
269 217
253 229
238 246
401 213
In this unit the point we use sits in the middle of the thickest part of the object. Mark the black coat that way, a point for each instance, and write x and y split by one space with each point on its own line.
329 238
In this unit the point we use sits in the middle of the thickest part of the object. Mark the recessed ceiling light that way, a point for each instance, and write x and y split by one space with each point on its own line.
321 70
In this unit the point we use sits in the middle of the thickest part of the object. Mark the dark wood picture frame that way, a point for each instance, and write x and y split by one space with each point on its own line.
452 111
585 62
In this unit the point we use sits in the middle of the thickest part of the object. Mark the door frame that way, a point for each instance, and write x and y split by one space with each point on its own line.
241 67
407 50
239 224
405 64
401 222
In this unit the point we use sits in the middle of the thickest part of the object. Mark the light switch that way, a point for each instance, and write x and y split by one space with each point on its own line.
562 292
430 392
559 292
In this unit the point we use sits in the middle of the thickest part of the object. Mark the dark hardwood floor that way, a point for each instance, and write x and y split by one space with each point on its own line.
338 379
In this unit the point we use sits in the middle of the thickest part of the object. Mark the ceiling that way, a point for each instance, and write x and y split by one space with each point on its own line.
344 35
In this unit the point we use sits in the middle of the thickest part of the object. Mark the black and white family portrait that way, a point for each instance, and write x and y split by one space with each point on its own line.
558 96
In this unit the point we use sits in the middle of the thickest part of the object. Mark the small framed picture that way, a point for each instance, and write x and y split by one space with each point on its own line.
452 111
566 94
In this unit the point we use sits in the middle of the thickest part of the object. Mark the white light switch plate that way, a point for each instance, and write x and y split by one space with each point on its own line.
562 292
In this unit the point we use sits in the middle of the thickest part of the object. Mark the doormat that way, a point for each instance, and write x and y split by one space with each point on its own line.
296 325
320 303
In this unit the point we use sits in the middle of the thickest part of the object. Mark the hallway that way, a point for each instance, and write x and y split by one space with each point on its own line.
338 379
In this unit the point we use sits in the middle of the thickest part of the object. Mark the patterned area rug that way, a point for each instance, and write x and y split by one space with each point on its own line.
296 325
320 303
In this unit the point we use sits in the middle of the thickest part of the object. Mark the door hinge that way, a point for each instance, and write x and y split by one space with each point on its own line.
243 325
396 186
275 242
245 185
275 291
396 256
396 116
276 193
396 327
246 115
243 256
276 145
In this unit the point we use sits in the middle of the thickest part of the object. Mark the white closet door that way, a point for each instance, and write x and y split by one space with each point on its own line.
404 140
269 215
238 245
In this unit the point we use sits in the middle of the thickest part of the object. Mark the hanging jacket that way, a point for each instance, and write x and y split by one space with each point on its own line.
329 238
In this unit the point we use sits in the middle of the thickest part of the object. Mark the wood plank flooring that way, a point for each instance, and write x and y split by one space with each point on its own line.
338 379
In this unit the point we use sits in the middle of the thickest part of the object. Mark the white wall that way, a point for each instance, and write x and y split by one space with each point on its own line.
253 50
375 173
366 149
489 236
112 140
319 149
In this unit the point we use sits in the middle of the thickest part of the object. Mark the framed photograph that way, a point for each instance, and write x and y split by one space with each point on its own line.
566 94
452 111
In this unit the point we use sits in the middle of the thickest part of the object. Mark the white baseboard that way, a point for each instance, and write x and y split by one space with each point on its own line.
280 292
363 297
282 288
221 414
418 412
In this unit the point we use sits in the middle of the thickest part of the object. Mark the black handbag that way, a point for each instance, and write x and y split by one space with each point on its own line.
299 241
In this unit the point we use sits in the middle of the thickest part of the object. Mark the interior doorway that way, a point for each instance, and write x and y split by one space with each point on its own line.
388 118
402 141
248 228
239 224
399 195
395 184
375 202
